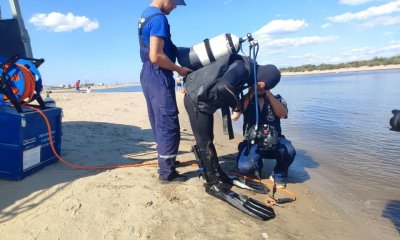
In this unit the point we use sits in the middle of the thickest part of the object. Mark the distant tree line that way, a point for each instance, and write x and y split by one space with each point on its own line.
378 61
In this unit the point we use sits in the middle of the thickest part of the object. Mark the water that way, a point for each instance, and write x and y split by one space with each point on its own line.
341 122
135 88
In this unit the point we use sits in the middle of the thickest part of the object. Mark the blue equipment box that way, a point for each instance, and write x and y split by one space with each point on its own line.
24 141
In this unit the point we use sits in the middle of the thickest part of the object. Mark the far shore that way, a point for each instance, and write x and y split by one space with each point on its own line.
339 70
84 88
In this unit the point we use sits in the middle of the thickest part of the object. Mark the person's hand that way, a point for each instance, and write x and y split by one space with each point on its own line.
184 71
235 116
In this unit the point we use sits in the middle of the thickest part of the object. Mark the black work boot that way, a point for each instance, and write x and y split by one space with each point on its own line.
222 176
174 177
206 163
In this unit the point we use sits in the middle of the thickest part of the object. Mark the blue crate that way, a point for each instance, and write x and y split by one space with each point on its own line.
24 141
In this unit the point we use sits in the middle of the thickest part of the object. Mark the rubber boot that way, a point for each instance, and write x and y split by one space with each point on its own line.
213 173
223 177
208 165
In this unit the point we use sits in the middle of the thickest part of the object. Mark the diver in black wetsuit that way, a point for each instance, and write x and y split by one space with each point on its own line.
209 89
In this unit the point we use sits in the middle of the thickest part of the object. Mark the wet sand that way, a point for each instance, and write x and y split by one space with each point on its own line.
59 202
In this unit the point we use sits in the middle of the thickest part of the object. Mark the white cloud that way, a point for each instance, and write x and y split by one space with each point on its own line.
58 22
326 25
296 42
354 2
385 9
348 55
383 21
302 57
272 49
393 48
299 60
270 44
280 27
313 59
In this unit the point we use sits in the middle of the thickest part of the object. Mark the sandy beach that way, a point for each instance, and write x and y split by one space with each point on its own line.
59 202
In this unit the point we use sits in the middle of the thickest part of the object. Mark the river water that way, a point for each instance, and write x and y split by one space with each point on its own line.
339 123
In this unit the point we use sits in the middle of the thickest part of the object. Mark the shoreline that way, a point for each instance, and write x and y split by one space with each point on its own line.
344 70
129 203
83 88
339 70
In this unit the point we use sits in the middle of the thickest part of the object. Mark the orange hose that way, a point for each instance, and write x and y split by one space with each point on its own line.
78 166
90 167
269 202
272 201
29 83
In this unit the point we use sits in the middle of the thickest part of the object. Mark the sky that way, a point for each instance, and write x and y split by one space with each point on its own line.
96 40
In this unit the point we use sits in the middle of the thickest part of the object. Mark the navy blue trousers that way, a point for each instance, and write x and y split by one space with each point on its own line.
250 159
159 90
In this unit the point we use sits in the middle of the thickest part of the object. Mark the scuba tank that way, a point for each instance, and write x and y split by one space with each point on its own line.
48 101
208 51
395 120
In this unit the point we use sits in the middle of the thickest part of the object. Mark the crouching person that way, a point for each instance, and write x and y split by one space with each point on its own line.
274 146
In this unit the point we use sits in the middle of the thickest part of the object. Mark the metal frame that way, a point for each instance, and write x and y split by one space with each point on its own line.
16 12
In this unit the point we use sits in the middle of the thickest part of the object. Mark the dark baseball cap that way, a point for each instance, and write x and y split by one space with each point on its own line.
179 2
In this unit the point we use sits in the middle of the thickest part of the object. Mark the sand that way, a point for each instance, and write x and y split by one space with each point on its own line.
59 202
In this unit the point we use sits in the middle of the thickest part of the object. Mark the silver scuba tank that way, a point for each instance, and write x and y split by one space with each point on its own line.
208 51
48 101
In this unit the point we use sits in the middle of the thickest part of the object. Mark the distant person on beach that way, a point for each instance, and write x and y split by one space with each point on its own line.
272 108
88 90
78 86
180 85
211 88
158 54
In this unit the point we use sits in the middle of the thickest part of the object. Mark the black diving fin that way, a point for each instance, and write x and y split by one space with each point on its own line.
249 185
244 203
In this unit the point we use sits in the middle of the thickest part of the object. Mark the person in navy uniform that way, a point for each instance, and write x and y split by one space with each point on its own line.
272 108
158 54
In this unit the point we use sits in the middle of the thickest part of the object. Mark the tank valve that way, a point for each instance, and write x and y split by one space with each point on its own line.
49 102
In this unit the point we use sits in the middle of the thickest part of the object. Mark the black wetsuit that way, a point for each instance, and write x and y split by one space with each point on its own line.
209 89
226 93
228 89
